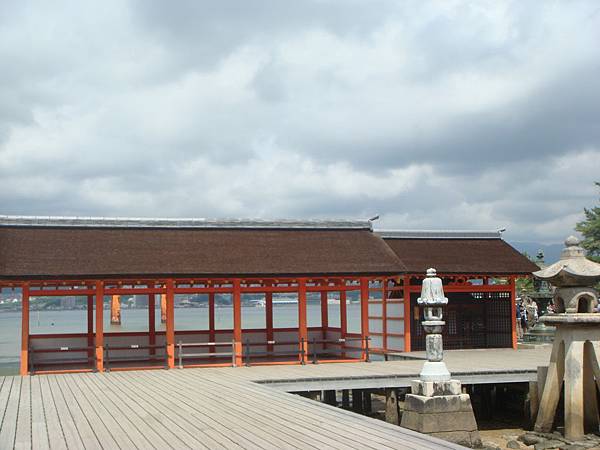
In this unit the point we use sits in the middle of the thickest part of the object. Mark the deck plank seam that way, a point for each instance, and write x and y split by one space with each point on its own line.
157 415
240 417
94 381
62 430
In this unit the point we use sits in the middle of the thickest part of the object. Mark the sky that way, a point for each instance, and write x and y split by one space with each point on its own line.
432 114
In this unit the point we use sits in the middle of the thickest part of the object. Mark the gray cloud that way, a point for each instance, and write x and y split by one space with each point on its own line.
446 115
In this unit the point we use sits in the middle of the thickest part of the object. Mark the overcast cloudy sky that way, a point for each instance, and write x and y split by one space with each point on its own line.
441 114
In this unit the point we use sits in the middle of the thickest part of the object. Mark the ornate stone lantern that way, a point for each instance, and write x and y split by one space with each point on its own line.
576 349
432 299
436 405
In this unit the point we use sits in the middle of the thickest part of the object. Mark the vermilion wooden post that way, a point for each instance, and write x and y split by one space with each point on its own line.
211 321
100 326
513 310
269 319
152 322
24 329
324 317
324 313
170 328
90 325
343 317
384 298
364 314
237 321
407 313
302 320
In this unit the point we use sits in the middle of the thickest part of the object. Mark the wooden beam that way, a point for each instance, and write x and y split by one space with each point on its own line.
269 319
343 316
324 315
152 322
100 326
407 313
211 320
364 314
302 320
513 311
24 329
170 328
237 321
384 298
90 325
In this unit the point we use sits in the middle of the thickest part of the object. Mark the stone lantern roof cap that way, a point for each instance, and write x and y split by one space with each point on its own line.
572 269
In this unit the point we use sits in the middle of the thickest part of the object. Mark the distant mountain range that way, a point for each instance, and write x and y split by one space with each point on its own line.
551 251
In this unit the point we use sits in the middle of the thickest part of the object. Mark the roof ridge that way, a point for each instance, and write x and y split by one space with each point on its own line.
168 222
440 234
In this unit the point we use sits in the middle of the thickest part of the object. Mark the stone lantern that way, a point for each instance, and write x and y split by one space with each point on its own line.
576 349
432 299
436 405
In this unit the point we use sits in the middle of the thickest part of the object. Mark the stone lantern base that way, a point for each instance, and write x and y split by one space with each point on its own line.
439 408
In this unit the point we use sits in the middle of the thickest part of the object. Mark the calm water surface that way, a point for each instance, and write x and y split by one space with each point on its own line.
74 321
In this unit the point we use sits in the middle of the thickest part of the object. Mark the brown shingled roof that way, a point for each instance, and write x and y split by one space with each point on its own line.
476 256
27 252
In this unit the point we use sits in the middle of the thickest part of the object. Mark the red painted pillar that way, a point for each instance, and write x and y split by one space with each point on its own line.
364 314
100 326
407 313
384 298
211 321
324 317
237 321
170 328
302 320
24 329
324 313
90 325
269 319
513 311
152 322
343 317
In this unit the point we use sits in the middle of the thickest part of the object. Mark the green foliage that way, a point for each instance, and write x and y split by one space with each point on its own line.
590 229
524 284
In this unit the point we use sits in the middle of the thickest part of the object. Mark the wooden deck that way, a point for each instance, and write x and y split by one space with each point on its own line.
193 408
469 366
218 407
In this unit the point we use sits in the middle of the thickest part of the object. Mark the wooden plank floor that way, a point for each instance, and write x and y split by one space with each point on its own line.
472 362
215 408
192 408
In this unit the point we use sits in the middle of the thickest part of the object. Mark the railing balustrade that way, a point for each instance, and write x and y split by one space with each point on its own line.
33 361
108 359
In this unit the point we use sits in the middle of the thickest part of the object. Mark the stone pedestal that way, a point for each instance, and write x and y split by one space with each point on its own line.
575 359
439 408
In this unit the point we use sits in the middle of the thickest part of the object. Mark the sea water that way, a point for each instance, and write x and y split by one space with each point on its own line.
75 321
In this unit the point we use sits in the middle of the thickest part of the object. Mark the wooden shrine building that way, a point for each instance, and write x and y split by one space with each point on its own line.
354 280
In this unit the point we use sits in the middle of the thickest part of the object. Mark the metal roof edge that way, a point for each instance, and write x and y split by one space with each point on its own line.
200 223
440 234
